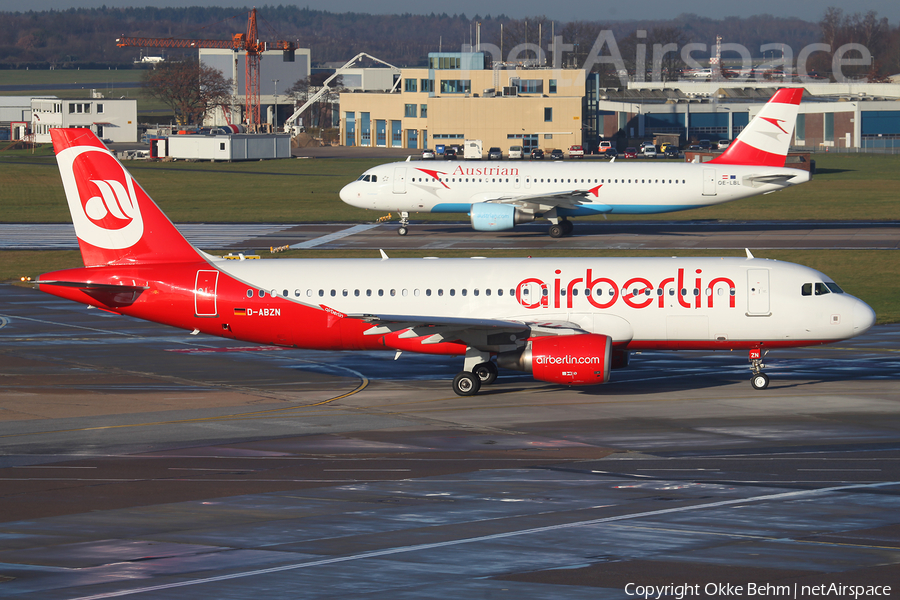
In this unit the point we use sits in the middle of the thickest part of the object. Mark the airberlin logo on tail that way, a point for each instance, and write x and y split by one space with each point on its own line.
101 198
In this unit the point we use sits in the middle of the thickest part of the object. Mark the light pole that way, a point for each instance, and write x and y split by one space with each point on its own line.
275 108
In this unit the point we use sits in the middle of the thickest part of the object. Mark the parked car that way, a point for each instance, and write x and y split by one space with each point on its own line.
724 144
427 154
576 152
495 154
515 152
649 151
537 154
604 147
671 151
611 153
450 153
630 152
705 145
556 154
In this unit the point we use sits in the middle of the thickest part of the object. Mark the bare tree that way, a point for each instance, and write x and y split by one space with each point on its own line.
190 89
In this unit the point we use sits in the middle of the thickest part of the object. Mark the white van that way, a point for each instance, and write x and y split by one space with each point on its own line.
515 152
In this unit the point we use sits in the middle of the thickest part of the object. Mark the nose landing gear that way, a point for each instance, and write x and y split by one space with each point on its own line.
758 380
404 224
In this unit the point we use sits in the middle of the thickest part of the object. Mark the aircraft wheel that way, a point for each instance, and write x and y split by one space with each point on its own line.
759 381
402 231
568 227
466 384
486 372
556 231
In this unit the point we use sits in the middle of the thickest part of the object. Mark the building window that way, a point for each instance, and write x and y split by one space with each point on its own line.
427 85
552 86
829 127
410 110
409 85
548 114
456 86
99 109
444 62
423 110
531 86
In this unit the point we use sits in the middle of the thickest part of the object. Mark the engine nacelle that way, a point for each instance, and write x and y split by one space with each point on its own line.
489 216
568 359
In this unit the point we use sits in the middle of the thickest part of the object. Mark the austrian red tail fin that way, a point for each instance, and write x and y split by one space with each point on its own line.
115 220
766 139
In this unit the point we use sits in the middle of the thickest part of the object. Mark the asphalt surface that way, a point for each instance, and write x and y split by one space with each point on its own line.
137 460
589 235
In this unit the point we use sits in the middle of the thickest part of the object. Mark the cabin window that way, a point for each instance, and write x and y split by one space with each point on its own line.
344 293
440 292
428 292
309 293
321 293
475 292
464 291
404 292
249 293
393 292
381 292
452 292
333 293
368 292
356 292
297 293
285 293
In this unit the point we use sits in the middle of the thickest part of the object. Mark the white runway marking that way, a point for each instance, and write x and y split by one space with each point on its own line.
325 239
485 538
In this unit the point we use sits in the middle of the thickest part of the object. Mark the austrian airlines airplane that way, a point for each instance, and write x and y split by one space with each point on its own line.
565 320
501 195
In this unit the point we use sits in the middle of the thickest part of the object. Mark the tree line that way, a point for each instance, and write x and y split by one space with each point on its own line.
82 37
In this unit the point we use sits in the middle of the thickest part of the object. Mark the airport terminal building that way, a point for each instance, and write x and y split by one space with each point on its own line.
457 98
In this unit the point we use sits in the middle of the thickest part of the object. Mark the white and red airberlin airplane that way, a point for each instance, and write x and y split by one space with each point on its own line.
565 320
501 195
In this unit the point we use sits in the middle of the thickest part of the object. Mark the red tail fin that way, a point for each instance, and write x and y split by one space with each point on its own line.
115 220
766 139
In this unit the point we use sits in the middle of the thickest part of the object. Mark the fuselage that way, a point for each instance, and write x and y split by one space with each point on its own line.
641 303
616 187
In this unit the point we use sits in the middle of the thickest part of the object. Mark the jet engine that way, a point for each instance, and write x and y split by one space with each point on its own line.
582 359
489 216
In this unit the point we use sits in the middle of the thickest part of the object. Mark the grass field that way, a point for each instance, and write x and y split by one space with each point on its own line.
856 187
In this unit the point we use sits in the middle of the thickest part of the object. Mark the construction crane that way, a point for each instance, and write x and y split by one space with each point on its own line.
247 42
290 124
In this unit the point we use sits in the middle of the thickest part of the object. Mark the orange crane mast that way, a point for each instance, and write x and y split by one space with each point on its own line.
247 42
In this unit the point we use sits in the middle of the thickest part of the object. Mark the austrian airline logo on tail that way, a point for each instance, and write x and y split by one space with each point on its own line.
766 139
101 198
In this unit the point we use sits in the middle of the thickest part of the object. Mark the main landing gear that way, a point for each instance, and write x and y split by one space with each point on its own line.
404 224
758 380
478 371
562 229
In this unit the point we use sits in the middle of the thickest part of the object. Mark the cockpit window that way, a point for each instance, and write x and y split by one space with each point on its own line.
806 289
834 287
822 289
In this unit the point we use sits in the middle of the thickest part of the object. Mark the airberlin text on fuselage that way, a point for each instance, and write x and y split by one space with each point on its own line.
637 292
461 170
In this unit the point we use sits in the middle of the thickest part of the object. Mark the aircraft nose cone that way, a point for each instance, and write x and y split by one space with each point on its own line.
863 317
345 193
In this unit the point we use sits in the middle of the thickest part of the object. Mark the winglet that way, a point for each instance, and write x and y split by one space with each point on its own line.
749 254
384 256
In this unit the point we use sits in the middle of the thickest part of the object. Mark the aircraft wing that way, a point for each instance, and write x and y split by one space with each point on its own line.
484 334
544 202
